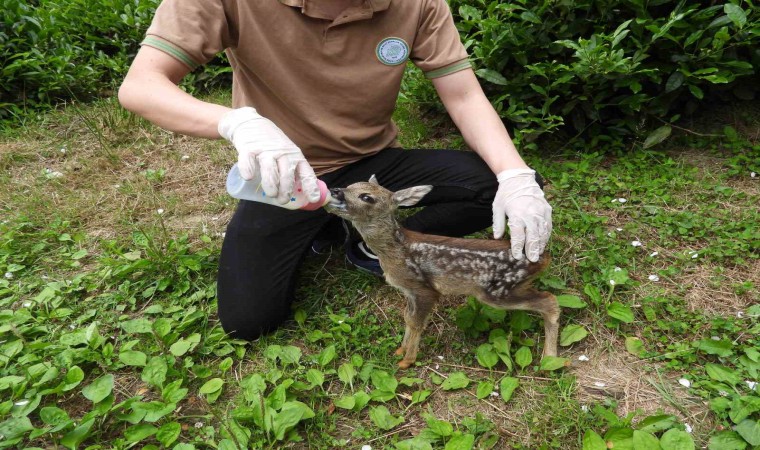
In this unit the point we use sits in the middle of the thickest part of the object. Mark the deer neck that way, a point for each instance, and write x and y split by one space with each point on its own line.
383 236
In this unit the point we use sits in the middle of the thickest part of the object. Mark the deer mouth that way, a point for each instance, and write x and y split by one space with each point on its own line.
335 205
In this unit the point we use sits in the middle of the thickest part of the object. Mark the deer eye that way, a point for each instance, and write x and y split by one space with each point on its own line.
367 198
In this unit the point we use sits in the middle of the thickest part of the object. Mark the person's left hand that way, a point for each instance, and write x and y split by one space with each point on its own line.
530 217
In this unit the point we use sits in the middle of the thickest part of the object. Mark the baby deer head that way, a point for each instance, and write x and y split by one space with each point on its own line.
368 202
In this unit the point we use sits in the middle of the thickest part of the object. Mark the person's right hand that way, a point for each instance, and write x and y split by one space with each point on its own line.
262 146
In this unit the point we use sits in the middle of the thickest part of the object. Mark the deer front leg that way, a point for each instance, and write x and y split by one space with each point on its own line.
418 309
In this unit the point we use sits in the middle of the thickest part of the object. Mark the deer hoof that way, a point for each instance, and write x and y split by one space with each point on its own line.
404 364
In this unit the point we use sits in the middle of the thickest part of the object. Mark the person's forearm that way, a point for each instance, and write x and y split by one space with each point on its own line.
163 103
476 118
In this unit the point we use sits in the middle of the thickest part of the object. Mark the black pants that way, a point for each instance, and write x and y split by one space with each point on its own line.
265 245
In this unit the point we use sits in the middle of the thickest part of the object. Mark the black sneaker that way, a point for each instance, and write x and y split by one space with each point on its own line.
358 254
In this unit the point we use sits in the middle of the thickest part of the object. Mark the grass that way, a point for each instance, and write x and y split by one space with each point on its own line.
109 240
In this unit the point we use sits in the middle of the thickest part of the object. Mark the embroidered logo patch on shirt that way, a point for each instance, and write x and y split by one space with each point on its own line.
392 51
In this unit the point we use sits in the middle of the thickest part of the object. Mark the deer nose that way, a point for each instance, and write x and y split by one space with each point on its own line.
337 193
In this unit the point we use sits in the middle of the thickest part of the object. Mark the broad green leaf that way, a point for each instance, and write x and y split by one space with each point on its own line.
290 354
15 427
416 443
315 377
726 440
674 81
99 389
168 433
174 392
73 438
592 441
347 373
484 389
634 345
570 301
384 381
133 358
139 432
507 386
461 442
572 334
736 14
420 396
721 348
73 378
654 424
486 356
696 91
137 326
645 441
749 429
523 357
290 415
211 386
383 419
553 363
327 355
621 312
722 373
361 399
347 402
457 380
620 438
657 136
52 415
153 411
439 427
675 439
491 76
183 345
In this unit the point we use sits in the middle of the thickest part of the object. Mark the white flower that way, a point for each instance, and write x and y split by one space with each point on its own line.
751 384
684 382
27 304
614 200
494 394
723 393
694 256
366 447
160 210
715 338
752 174
63 150
654 278
618 269
598 384
440 357
584 408
622 200
619 229
185 157
198 424
53 173
612 282
437 367
653 254
636 243
22 402
740 314
215 218
72 326
583 358
688 427
8 275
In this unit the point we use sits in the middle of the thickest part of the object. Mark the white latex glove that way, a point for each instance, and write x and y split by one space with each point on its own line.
262 146
530 217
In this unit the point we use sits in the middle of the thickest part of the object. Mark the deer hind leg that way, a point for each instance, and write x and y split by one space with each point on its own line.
527 298
418 309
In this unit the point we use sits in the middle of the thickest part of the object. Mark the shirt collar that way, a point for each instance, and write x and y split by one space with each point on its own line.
375 5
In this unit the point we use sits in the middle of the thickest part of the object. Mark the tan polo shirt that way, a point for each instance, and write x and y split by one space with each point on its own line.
330 85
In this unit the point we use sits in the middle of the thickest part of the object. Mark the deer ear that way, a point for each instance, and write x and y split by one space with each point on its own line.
410 196
373 180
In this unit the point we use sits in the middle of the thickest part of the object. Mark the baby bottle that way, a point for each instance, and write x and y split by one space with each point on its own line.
243 189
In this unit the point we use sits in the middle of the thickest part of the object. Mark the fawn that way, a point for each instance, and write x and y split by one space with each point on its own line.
424 266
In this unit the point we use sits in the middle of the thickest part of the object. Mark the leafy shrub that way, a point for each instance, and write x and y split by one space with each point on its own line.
52 50
605 66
